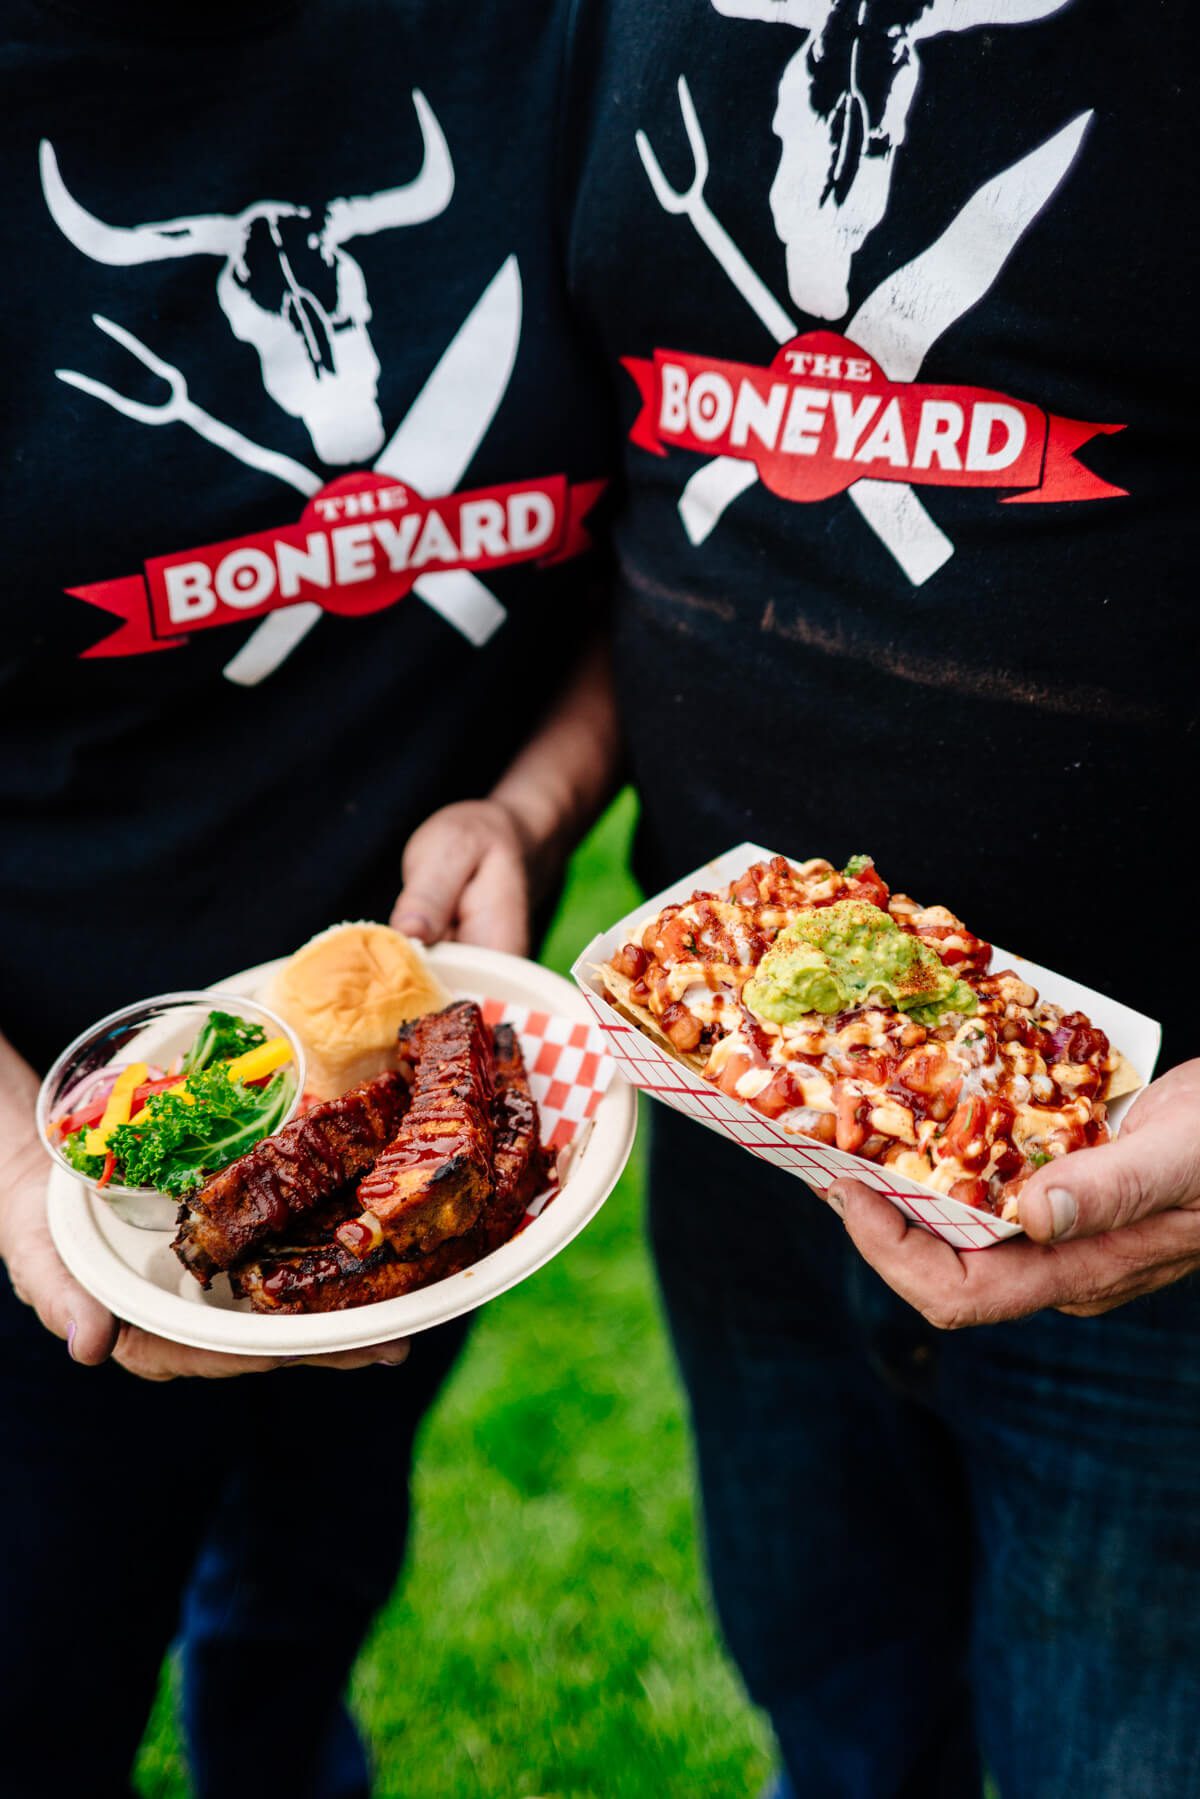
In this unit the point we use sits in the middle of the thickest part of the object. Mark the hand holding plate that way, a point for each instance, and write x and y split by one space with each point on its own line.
154 1358
466 879
91 1332
38 1276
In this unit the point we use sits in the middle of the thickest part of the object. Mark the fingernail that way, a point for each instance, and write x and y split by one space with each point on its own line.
1063 1212
72 1327
414 924
387 1361
838 1203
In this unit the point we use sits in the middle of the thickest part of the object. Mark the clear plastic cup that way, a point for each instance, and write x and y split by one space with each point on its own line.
155 1031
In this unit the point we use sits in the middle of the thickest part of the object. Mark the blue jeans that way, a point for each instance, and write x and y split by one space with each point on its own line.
932 1551
262 1518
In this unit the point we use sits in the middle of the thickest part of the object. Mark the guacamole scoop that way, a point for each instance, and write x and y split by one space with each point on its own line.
852 954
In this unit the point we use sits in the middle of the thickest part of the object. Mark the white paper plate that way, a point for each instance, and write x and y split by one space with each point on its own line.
137 1275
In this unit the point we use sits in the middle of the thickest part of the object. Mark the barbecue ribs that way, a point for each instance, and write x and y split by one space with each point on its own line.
432 1180
287 1175
328 1277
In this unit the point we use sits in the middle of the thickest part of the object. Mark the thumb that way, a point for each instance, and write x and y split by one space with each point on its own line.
91 1331
1102 1189
438 863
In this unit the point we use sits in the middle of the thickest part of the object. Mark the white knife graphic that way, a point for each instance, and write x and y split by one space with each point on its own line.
432 449
899 323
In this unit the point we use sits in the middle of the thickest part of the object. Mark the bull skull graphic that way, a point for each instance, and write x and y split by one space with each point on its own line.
841 117
899 322
287 285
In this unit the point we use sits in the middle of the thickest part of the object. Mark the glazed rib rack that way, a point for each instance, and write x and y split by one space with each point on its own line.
431 1181
448 1183
287 1175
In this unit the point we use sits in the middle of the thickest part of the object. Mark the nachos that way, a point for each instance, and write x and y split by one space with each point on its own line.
857 1017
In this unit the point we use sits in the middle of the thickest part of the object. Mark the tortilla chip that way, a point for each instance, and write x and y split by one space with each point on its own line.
618 987
1124 1079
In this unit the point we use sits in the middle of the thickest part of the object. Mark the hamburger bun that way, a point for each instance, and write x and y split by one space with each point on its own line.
346 994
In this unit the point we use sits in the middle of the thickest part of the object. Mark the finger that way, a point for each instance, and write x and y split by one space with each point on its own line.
1107 1271
91 1331
1013 1279
64 1307
920 1267
494 909
1112 1186
155 1359
438 863
383 1355
1009 1280
1148 1280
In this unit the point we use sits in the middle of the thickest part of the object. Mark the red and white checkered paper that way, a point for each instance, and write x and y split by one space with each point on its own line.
646 1064
569 1067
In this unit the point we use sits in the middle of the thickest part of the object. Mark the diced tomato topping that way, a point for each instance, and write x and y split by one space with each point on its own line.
970 953
1008 1162
860 1064
977 1120
928 1073
735 1067
745 891
1076 1039
966 1126
868 886
851 1110
780 1095
972 1192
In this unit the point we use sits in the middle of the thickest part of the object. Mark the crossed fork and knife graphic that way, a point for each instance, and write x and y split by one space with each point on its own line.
898 324
431 450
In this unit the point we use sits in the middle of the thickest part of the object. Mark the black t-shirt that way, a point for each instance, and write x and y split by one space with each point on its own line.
986 212
333 228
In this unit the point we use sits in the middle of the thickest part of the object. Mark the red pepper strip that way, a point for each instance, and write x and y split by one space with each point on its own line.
93 1114
148 1087
110 1162
75 1121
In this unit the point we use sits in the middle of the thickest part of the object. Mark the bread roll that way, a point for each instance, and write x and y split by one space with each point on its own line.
346 994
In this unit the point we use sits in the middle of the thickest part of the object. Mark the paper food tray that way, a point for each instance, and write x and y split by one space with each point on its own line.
646 1064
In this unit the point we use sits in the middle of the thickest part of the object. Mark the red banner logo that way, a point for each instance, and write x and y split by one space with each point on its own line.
361 544
824 415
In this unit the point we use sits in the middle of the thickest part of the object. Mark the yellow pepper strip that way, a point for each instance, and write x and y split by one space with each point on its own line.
264 1059
117 1107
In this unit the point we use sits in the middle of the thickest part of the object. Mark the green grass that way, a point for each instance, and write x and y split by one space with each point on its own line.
550 1638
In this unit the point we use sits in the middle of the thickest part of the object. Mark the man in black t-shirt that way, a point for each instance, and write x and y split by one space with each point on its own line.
300 449
900 296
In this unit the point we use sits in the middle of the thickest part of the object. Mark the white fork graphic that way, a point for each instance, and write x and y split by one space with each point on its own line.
897 324
430 449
